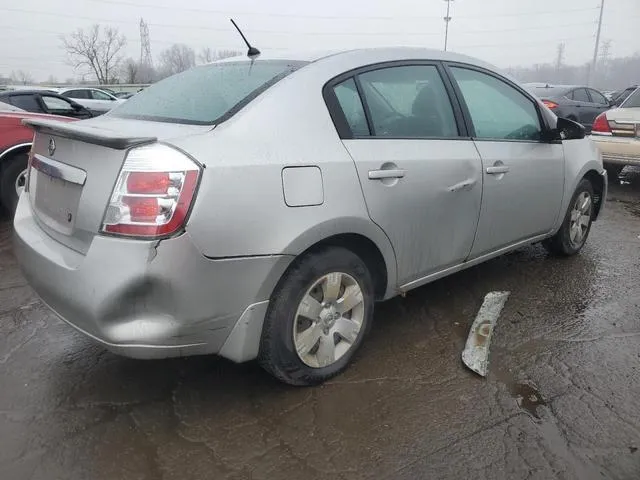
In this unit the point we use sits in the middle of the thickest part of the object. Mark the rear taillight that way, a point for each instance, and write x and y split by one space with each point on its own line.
550 104
601 124
153 194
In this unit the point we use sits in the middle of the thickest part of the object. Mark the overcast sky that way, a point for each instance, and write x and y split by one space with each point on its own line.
504 32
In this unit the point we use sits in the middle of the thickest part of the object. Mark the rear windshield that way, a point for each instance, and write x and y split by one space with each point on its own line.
205 95
543 92
633 100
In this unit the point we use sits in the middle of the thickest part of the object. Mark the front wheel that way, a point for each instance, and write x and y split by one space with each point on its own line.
317 317
576 226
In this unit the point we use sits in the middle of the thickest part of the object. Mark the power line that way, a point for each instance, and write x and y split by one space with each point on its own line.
327 17
280 32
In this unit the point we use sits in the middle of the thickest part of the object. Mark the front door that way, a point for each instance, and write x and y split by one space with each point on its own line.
523 176
421 180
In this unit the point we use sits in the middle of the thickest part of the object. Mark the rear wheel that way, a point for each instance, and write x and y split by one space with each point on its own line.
317 318
576 226
13 176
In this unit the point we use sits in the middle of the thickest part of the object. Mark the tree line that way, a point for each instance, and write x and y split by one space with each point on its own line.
610 74
98 52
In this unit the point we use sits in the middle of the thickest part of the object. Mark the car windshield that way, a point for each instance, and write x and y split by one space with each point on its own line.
207 94
633 100
544 92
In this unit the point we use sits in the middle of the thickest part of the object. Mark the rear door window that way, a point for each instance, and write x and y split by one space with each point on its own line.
408 102
633 100
580 95
351 104
26 102
207 94
57 105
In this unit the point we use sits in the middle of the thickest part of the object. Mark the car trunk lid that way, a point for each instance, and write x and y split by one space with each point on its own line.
75 167
624 122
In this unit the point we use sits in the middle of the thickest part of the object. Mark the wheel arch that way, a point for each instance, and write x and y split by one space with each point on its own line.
598 183
15 149
363 238
12 151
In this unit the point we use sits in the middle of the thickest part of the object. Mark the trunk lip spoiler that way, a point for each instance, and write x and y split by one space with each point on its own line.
88 134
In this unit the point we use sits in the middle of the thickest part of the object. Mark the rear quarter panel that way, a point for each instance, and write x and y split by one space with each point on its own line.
240 208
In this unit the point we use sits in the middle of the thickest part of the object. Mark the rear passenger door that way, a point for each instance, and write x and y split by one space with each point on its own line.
523 175
583 106
419 171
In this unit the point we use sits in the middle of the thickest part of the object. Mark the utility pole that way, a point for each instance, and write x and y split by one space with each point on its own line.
447 19
592 70
559 61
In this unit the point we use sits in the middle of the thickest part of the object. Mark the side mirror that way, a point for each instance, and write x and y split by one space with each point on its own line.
569 130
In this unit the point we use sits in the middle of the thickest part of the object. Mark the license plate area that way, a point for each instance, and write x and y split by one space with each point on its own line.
54 200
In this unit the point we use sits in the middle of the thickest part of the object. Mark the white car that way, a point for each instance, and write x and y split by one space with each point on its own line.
95 99
616 132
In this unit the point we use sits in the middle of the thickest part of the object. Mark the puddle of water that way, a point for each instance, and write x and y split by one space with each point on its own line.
527 397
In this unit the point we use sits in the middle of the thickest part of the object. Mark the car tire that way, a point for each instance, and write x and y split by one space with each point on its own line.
11 170
288 337
573 233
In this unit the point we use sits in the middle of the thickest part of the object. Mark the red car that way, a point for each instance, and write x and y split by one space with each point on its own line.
15 143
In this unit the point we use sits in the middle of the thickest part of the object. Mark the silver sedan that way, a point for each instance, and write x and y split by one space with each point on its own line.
257 208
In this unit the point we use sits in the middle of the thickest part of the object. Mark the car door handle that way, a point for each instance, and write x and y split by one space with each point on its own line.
465 185
386 173
497 170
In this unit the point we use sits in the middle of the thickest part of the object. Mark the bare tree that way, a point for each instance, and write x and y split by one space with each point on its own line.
220 54
97 50
130 70
208 55
177 58
21 77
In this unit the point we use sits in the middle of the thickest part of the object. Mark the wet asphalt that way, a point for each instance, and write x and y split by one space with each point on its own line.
562 399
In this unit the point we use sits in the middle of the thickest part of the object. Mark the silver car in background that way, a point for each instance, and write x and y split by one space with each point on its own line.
258 208
96 100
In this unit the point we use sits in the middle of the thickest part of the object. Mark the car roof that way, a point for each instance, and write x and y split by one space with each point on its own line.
84 87
380 54
12 93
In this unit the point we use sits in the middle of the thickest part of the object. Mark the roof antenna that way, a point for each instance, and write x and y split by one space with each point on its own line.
253 51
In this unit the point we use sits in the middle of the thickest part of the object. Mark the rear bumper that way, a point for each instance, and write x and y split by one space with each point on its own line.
150 299
618 150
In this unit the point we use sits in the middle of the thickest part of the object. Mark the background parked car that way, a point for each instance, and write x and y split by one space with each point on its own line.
621 95
95 99
617 134
577 103
44 101
15 143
